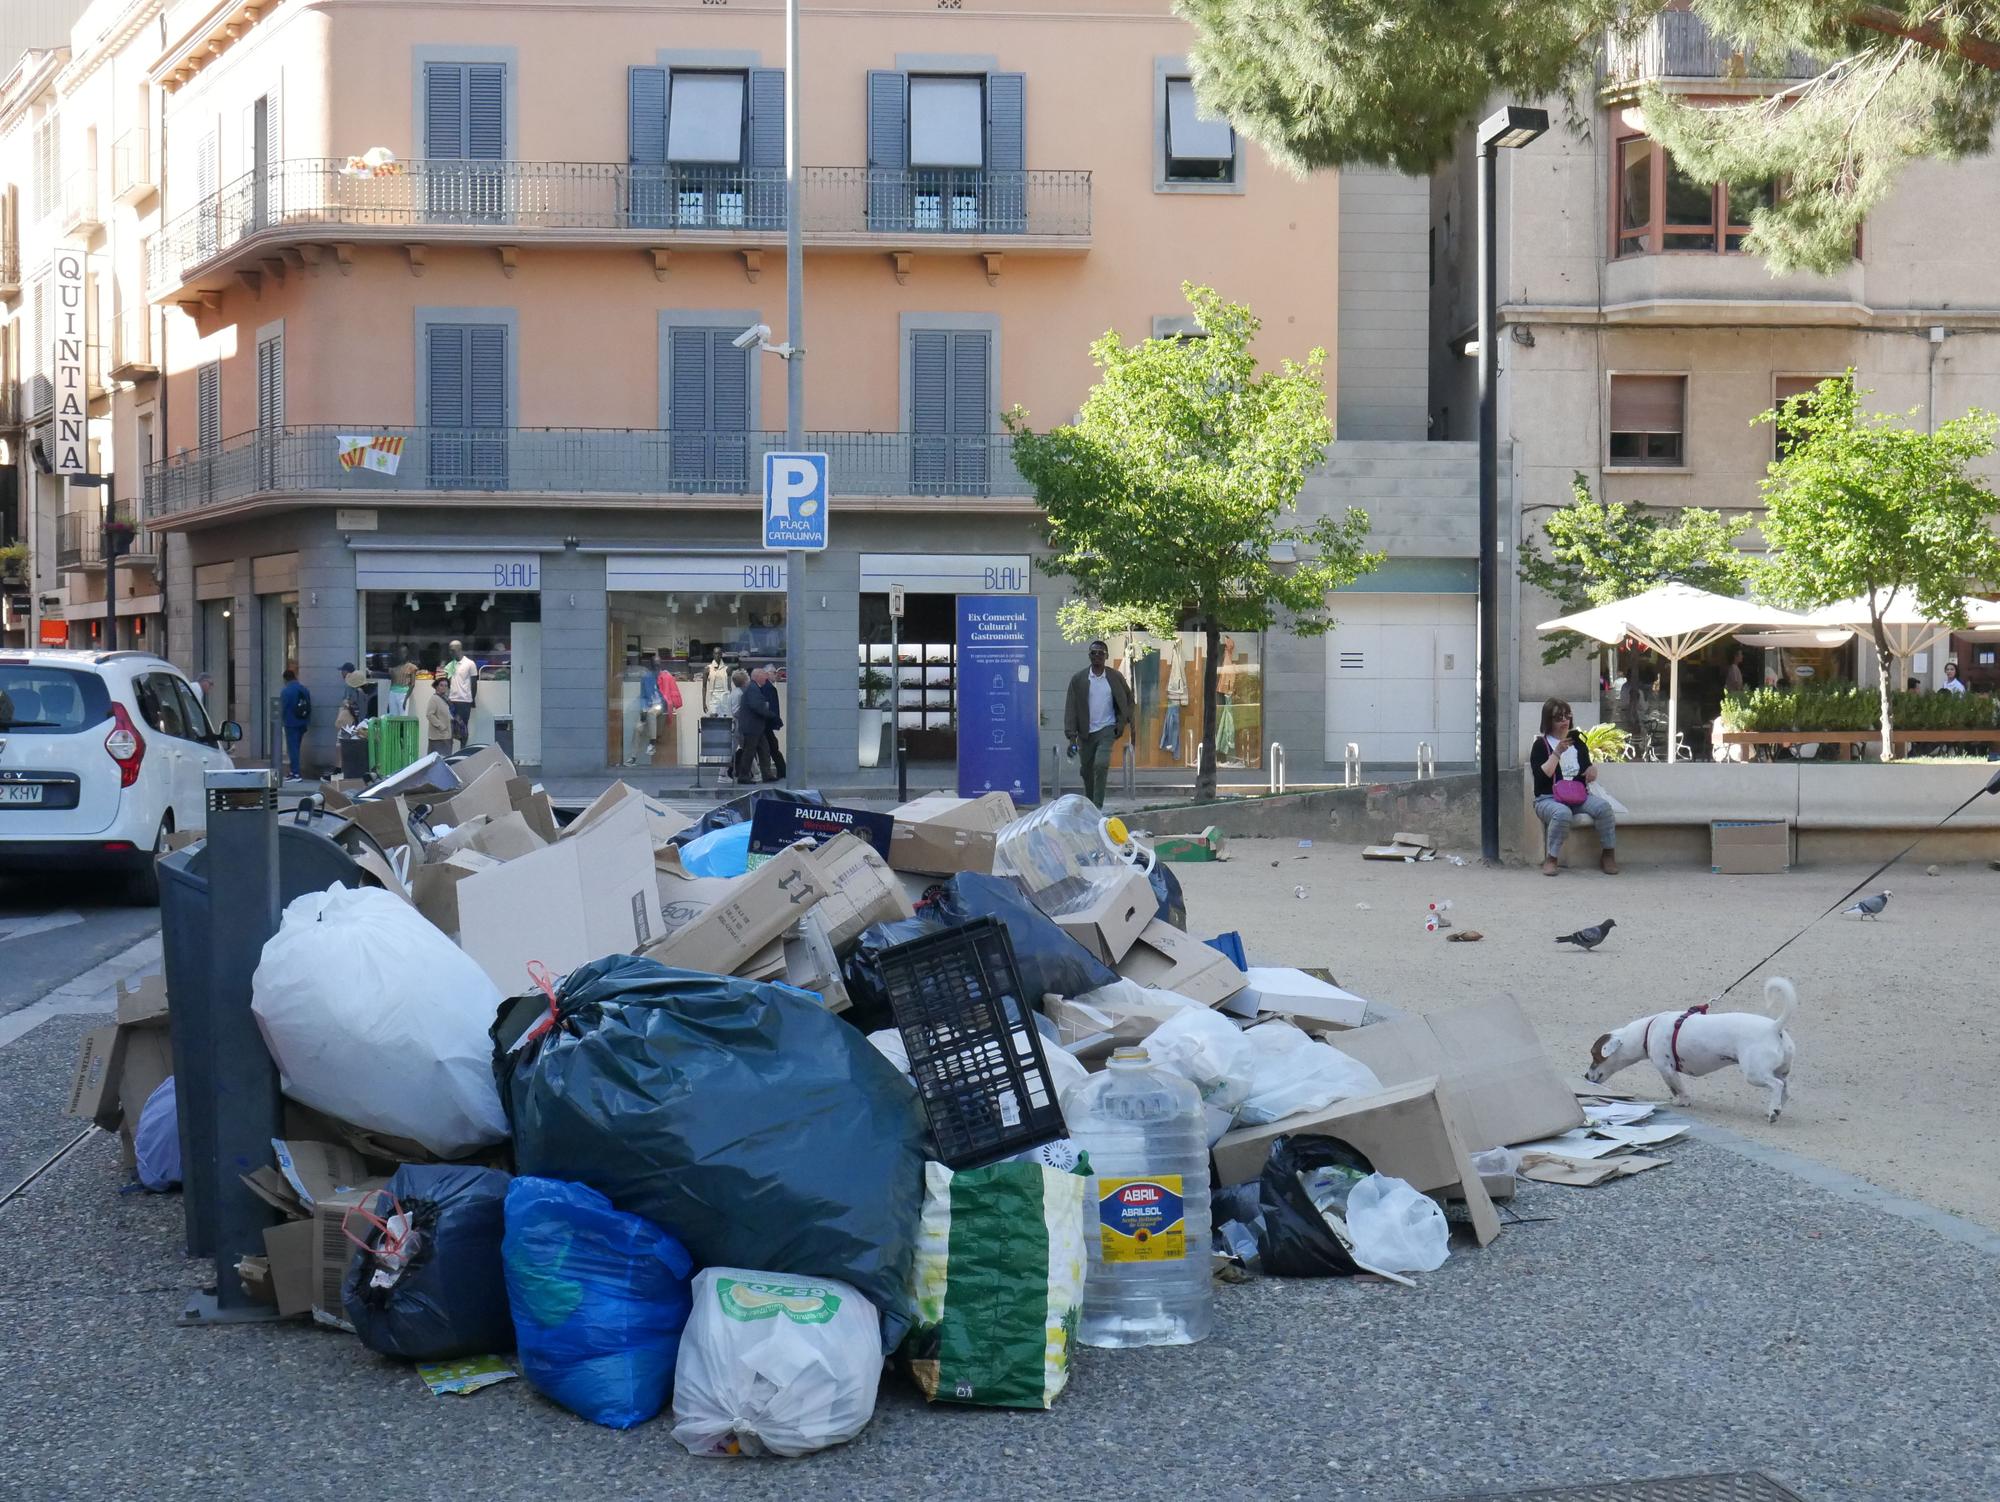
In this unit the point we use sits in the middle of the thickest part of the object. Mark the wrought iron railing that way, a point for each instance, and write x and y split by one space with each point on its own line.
317 196
80 535
1679 44
569 461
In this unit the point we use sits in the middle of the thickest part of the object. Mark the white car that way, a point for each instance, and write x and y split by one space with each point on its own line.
101 758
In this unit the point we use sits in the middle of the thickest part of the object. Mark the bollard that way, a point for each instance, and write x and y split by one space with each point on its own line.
1055 769
1131 770
236 1085
1353 766
1427 765
1274 756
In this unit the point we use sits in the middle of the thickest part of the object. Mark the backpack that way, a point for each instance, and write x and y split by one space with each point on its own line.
305 704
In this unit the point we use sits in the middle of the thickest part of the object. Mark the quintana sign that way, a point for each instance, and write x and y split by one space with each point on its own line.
68 333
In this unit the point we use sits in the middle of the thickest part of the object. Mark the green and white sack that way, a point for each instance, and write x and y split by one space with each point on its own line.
997 1283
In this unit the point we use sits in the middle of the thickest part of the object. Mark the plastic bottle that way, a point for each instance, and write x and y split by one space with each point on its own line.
1066 841
1146 1216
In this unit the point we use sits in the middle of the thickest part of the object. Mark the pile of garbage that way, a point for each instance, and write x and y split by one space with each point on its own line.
714 1116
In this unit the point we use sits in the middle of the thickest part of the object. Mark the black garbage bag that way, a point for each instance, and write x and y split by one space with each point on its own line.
868 998
1167 888
743 1119
1295 1241
450 1298
741 810
1050 961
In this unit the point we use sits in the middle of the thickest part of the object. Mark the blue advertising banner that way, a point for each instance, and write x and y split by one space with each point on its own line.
998 708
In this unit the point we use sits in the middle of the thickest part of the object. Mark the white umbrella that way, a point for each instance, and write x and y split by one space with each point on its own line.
1908 627
1676 621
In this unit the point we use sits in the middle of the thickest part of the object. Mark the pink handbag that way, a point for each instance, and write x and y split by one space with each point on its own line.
1570 791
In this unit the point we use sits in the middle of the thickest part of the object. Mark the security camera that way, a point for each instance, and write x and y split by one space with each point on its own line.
754 335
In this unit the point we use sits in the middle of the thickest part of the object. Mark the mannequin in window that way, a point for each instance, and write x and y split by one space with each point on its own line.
646 724
714 683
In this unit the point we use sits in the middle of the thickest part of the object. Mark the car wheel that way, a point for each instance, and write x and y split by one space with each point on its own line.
143 886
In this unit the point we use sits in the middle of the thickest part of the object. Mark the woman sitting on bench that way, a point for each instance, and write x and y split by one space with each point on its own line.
1563 775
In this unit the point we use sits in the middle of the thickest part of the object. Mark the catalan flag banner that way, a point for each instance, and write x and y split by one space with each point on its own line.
380 452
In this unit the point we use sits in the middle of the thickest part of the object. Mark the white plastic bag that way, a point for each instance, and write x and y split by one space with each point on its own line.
772 1364
379 1020
1211 1053
1291 1072
1395 1228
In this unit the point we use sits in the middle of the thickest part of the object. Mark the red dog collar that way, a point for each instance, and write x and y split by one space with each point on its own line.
1674 1042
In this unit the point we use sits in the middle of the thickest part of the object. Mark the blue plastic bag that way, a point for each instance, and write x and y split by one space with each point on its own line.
156 1141
723 852
599 1299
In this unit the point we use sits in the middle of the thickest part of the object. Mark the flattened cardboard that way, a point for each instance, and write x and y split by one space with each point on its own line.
434 886
810 963
288 1249
532 804
940 850
143 1066
387 820
572 902
767 963
381 871
426 779
1168 960
502 837
662 823
143 1003
316 1171
1408 1132
1751 847
757 909
685 898
469 769
989 812
1119 911
860 890
93 1089
1488 1054
1306 999
487 795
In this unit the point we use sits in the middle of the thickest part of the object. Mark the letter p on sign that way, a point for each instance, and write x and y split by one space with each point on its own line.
795 501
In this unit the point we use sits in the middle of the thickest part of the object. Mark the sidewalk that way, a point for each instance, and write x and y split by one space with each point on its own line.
1717 1314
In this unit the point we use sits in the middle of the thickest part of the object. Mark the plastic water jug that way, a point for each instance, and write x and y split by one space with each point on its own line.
1063 848
1146 1216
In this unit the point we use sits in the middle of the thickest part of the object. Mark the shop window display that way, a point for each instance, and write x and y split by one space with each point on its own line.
407 637
1165 673
668 663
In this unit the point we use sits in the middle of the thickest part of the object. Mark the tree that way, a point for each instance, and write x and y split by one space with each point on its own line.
1327 83
1866 506
1168 493
1601 551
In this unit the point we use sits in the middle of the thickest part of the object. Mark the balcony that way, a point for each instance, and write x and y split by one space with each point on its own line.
433 465
81 214
132 172
80 537
10 267
132 347
1677 44
311 201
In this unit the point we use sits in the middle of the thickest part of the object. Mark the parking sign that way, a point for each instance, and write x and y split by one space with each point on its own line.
795 501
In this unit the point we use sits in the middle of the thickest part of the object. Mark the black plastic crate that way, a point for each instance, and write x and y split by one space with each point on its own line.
974 1049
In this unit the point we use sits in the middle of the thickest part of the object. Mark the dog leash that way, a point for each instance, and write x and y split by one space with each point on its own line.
1992 786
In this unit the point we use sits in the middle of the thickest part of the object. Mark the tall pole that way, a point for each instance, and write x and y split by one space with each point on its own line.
109 544
795 411
1489 516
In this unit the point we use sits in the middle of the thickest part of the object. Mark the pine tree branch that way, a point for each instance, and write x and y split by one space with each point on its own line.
1978 50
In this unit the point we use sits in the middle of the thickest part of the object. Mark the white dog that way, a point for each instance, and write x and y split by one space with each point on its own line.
1696 1042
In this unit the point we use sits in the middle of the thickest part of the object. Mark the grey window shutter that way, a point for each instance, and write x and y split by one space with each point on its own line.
444 111
888 150
444 402
729 413
646 146
271 383
274 147
486 403
208 406
688 406
205 185
767 149
1006 207
930 409
970 403
486 112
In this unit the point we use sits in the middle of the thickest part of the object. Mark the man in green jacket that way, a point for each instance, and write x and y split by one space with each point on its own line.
1096 712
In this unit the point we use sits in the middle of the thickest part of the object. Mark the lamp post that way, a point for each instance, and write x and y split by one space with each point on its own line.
1507 128
795 410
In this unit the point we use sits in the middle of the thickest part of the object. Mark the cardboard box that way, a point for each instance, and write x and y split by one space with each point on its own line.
502 837
685 898
989 812
145 1064
776 826
532 804
1488 1054
1119 911
93 1089
288 1251
767 963
662 823
756 909
426 779
143 1002
381 871
810 962
1305 999
860 890
387 821
487 795
469 769
1168 960
1749 847
572 902
939 850
1408 1132
434 886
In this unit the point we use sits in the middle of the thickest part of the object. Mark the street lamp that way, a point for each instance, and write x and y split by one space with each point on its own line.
1507 128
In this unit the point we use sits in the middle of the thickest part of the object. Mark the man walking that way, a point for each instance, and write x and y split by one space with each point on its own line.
295 711
768 687
1097 710
464 683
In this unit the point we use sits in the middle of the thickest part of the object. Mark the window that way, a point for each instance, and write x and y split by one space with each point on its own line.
1648 418
208 405
270 406
706 148
946 153
945 122
708 410
1199 147
1783 388
47 186
159 705
261 158
1661 208
193 713
950 411
705 119
466 404
465 122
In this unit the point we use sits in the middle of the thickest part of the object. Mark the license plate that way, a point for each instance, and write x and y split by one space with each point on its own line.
20 792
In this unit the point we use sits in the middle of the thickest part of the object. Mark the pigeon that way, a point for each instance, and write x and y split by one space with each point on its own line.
1590 938
1868 907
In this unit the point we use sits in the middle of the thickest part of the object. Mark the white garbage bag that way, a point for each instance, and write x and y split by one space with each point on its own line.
1395 1228
1211 1053
377 1019
772 1364
1291 1072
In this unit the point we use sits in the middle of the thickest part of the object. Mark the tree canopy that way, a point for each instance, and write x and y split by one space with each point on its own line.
1172 491
1330 83
1602 551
